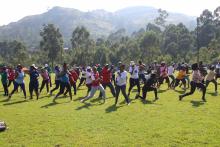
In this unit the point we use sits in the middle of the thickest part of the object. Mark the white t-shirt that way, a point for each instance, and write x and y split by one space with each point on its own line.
88 77
121 78
83 74
170 70
135 70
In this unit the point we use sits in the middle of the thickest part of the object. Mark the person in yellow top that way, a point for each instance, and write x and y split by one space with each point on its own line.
181 77
211 78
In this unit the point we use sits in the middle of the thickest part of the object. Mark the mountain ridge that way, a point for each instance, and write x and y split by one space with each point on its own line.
99 22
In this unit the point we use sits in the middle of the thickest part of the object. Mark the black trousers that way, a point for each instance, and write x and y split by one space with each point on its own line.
134 82
146 89
64 85
33 86
74 88
194 85
123 90
57 83
5 86
16 85
178 81
110 86
82 80
45 82
9 82
213 81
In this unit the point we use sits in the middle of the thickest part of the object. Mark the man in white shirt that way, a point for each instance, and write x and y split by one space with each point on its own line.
134 79
121 80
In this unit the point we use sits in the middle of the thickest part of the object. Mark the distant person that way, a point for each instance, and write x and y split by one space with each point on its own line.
164 74
134 78
211 78
106 79
180 77
11 76
121 81
4 79
150 85
83 77
96 85
57 79
45 80
196 82
49 73
88 79
170 72
33 84
64 82
217 70
19 81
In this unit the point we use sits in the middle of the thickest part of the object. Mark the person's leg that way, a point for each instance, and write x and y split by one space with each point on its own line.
111 88
102 90
167 81
15 89
215 83
192 90
36 85
23 89
104 86
184 83
132 83
177 81
81 82
137 82
144 92
50 81
172 81
5 86
88 89
57 83
123 90
9 83
117 89
68 87
74 88
203 88
42 85
207 83
91 94
47 85
62 88
31 89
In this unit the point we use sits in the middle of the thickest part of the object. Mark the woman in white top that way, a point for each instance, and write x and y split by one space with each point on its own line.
121 80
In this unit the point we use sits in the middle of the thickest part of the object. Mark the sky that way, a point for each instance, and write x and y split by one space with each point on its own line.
13 10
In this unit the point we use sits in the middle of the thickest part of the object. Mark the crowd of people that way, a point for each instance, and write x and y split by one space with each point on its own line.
145 77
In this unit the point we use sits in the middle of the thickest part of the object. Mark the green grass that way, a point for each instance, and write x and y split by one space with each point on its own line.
166 122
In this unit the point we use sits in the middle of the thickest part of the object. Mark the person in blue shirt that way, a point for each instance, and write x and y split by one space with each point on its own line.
57 79
64 82
34 84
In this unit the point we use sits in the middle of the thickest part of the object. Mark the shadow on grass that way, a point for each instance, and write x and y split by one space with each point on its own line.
53 104
17 102
79 98
5 100
85 106
197 103
212 94
161 91
112 108
180 92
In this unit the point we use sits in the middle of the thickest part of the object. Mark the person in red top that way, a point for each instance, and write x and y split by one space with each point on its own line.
11 76
106 74
73 77
96 85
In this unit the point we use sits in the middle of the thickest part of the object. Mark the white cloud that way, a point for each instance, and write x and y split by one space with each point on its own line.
13 10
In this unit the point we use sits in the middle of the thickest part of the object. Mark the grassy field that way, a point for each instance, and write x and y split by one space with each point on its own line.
166 122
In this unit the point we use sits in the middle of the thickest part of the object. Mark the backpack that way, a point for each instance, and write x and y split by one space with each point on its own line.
3 126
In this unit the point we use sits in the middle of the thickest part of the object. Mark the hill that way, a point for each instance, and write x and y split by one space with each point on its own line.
99 22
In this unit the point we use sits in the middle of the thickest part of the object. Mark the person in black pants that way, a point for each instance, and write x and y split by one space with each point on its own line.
83 77
34 84
197 79
211 78
121 78
150 85
57 80
4 80
134 79
64 82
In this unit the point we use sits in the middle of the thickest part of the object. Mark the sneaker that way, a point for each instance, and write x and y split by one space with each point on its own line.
156 99
128 103
204 100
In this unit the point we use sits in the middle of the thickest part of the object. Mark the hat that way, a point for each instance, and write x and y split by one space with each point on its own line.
132 63
19 66
46 65
106 64
33 65
88 67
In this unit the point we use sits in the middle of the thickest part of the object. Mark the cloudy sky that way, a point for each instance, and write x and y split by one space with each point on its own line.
13 10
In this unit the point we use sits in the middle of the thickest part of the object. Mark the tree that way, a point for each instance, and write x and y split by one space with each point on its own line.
161 19
52 42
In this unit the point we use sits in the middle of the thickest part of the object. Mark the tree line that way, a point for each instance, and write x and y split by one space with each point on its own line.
158 41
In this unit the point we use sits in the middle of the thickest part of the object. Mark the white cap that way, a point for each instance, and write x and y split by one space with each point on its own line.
46 65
